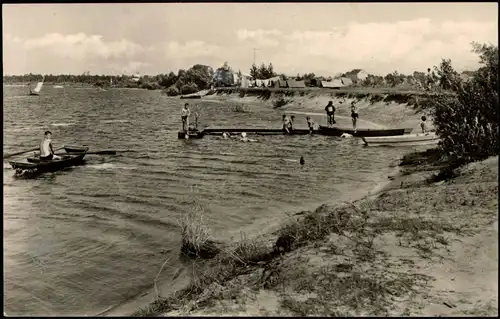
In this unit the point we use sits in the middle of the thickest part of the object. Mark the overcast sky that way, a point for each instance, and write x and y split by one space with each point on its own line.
324 38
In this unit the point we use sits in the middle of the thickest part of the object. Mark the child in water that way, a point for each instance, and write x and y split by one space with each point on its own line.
310 124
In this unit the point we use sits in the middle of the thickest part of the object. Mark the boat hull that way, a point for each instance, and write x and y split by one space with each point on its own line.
338 131
34 164
404 140
72 149
191 133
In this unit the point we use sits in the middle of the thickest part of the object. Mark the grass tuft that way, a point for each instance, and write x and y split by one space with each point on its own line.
196 238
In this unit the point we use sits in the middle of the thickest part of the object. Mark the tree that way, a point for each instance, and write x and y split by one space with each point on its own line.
467 120
254 72
270 70
448 77
263 74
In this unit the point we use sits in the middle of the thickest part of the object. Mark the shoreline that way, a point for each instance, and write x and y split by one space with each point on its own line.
239 294
270 226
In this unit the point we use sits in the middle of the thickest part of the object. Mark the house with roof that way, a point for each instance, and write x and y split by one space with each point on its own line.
357 75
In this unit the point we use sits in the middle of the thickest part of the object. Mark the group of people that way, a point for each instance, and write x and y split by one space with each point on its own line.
330 114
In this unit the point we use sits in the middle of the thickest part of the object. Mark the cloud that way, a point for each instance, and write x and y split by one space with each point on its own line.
260 37
190 49
379 48
82 46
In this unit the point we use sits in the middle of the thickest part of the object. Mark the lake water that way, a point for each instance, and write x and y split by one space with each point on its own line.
93 236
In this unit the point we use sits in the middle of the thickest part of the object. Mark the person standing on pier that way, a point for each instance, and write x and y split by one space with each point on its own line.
286 124
354 115
330 114
185 113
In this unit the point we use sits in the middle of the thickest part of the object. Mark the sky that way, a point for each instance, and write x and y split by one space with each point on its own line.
324 38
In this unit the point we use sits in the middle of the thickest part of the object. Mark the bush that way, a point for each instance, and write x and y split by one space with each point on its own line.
172 91
150 86
196 239
467 122
189 88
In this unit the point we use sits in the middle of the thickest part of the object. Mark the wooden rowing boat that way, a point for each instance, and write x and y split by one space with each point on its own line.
402 140
338 131
35 165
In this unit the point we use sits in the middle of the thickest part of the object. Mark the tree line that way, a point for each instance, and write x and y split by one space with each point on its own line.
202 77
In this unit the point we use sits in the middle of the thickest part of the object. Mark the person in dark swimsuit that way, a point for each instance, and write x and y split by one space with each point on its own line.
354 115
330 113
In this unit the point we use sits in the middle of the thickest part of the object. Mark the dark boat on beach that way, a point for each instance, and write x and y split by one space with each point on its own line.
35 165
338 131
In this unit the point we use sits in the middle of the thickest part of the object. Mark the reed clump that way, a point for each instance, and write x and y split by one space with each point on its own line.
196 238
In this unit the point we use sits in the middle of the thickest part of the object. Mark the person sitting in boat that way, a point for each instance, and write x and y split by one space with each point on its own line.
330 113
354 115
46 150
185 113
286 124
310 124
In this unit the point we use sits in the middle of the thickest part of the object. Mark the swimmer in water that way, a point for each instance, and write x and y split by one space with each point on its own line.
244 138
225 136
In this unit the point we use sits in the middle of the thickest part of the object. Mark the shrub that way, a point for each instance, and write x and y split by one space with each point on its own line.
196 239
189 88
280 102
467 122
172 91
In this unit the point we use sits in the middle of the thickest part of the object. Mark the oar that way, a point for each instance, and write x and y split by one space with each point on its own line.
18 153
106 152
31 150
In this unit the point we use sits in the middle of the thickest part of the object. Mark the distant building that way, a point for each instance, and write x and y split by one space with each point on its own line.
465 77
357 75
346 81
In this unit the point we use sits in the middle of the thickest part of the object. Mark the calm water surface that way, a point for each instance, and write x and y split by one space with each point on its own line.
93 236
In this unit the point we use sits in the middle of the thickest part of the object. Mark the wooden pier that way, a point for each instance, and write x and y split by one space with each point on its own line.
335 131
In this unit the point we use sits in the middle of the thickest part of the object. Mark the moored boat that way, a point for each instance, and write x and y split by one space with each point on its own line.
35 165
363 132
402 140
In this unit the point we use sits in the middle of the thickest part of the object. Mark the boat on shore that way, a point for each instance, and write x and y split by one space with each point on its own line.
363 132
34 165
402 140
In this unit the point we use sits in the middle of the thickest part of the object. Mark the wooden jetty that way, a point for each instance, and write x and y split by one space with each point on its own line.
335 131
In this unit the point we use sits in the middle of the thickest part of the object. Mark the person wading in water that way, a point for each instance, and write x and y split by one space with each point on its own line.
330 114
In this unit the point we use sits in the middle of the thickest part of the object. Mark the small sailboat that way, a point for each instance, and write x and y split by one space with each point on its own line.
38 88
